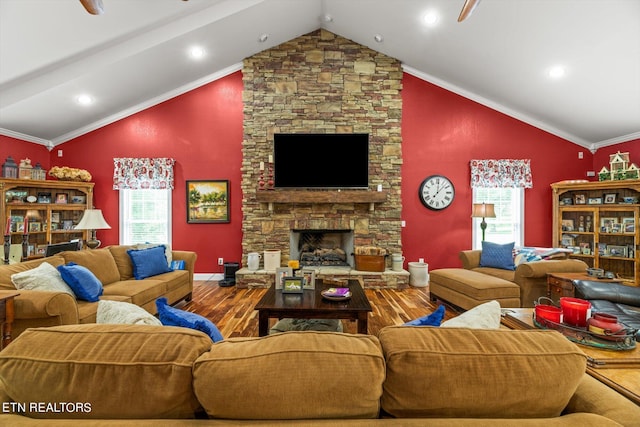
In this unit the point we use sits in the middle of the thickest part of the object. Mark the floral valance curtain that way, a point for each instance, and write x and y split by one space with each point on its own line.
143 173
501 173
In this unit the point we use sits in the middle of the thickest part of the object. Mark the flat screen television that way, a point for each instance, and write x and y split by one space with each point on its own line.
313 160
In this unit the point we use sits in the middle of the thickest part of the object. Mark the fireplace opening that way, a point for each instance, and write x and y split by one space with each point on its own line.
322 247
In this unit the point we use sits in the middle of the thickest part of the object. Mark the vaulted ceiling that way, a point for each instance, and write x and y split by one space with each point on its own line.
136 55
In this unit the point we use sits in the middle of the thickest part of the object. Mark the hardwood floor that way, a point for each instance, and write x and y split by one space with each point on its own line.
232 310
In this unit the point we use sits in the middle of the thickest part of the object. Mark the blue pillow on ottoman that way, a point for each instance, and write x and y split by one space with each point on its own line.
170 316
148 262
433 319
497 256
82 281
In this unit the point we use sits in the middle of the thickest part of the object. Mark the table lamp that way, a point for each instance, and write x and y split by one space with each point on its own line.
483 210
92 220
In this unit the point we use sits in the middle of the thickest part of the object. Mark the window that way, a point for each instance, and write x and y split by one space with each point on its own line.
145 216
508 225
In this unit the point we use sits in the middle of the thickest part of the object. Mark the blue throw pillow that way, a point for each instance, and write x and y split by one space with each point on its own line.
82 281
433 319
497 256
178 265
148 262
170 316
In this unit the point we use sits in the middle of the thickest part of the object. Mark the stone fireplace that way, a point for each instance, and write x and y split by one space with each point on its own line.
321 248
321 83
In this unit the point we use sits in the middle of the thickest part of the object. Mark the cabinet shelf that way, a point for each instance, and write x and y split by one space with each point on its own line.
595 231
14 204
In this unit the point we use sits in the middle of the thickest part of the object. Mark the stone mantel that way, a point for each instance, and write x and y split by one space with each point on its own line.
330 196
318 196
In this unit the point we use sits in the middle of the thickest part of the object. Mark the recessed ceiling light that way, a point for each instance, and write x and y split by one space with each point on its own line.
431 18
84 99
378 38
557 71
197 52
263 37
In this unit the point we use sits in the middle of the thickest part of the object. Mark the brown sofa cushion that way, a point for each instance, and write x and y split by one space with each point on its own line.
123 261
293 375
99 261
439 372
122 371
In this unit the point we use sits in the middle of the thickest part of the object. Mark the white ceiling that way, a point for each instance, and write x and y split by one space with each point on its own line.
135 56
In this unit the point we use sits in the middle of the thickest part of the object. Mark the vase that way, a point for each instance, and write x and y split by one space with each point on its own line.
604 324
271 259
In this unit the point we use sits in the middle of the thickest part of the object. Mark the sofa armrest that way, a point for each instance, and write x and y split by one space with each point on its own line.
39 308
540 269
592 396
39 304
470 259
189 259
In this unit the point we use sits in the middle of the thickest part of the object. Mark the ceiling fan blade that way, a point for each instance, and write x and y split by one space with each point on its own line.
467 9
94 7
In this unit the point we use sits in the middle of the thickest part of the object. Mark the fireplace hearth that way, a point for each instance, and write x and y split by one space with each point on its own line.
322 247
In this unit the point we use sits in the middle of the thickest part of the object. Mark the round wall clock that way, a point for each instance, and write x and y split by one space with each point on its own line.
436 192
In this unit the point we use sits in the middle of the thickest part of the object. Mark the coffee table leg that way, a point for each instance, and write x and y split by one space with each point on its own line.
363 323
263 323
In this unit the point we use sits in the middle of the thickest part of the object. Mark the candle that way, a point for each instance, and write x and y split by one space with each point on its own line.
8 229
26 225
294 263
270 158
261 166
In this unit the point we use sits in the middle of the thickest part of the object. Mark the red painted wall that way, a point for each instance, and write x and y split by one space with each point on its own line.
202 130
19 150
442 131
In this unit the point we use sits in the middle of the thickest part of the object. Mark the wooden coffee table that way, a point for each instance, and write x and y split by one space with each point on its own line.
311 305
620 370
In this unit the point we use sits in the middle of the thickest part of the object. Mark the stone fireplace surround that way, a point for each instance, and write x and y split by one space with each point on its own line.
322 83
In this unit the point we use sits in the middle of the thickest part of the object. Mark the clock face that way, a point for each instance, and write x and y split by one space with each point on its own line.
436 192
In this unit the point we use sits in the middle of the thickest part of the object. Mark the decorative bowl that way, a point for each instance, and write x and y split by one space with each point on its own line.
595 272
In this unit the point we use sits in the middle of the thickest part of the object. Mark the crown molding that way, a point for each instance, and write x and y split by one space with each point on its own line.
28 138
617 140
147 104
497 106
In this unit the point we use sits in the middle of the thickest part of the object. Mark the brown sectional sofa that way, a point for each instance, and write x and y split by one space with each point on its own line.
103 375
113 267
531 277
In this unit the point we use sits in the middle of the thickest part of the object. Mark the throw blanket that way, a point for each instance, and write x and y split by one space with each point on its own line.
123 312
529 254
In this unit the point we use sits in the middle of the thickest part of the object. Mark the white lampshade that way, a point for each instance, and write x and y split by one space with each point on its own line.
92 220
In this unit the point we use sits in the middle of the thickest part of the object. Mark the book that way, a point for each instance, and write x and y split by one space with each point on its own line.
336 292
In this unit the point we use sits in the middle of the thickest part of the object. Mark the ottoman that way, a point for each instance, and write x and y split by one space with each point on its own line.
466 289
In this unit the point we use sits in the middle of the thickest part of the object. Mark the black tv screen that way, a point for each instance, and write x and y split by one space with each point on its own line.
313 160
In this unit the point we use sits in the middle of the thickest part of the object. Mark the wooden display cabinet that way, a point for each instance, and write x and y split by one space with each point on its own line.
51 208
593 219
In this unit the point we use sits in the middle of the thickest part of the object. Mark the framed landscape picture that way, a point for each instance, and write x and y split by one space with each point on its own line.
292 285
208 201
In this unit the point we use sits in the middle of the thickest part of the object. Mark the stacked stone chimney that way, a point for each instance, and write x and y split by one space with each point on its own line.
322 83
